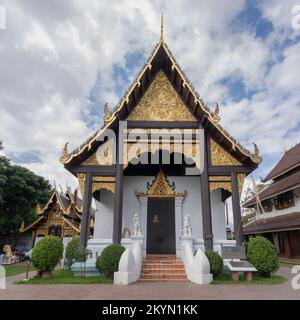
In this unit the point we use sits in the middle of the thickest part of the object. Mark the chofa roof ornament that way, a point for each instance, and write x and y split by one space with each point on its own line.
256 155
107 115
65 153
214 115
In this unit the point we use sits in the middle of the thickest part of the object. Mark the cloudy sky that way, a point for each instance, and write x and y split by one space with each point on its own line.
60 61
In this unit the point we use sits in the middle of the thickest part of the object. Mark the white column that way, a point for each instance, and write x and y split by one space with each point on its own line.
143 216
178 223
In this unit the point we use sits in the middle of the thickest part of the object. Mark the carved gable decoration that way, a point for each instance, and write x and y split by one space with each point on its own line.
161 187
161 103
221 157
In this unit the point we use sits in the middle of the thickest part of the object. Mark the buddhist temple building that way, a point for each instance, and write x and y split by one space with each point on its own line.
60 217
161 155
279 220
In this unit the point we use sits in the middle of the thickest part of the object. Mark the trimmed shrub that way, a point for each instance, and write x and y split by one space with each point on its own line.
215 261
108 262
47 253
262 254
71 249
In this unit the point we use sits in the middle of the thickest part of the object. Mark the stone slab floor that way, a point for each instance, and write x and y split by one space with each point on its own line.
151 290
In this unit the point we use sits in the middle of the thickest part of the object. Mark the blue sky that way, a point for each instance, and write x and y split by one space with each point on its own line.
59 69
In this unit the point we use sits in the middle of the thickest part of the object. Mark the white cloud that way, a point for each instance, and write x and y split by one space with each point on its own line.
51 53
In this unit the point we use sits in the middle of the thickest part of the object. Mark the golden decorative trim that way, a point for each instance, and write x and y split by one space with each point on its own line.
110 186
224 182
241 179
219 178
161 188
168 132
98 183
161 185
161 103
104 179
220 157
220 185
23 228
70 224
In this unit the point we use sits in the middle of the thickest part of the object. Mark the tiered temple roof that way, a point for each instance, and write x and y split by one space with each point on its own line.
70 207
162 59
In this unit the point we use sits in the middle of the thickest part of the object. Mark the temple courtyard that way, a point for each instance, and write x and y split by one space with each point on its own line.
151 290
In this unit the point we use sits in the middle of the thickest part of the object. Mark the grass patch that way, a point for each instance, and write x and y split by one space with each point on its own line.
67 277
226 279
14 269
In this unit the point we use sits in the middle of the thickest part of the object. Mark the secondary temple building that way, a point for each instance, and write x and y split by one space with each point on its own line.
279 220
60 217
161 166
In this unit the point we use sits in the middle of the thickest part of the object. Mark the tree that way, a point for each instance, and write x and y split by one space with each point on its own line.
20 192
248 217
250 213
4 164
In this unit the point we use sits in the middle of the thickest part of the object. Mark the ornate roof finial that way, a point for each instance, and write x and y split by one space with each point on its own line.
217 109
106 108
65 150
161 28
256 156
214 116
256 150
107 115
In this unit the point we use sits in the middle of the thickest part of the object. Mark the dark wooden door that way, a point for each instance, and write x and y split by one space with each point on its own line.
161 226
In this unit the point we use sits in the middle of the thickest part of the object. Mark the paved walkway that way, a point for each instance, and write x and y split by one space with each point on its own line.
151 290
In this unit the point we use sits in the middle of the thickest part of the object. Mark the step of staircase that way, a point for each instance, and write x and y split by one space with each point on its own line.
162 268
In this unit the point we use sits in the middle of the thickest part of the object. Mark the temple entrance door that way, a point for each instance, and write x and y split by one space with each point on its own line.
161 226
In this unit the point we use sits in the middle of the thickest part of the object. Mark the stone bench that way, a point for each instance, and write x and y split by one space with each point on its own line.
234 258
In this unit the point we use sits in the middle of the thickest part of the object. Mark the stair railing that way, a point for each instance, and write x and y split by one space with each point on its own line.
196 266
130 265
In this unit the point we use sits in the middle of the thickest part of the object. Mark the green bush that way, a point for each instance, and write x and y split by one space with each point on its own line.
262 254
72 247
215 261
47 253
108 262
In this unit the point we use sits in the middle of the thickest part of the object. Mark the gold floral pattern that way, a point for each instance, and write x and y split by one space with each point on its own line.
161 103
220 157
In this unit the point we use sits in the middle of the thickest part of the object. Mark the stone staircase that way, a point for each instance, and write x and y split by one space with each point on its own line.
162 268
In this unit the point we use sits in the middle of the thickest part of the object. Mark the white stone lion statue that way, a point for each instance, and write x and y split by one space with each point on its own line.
137 230
187 228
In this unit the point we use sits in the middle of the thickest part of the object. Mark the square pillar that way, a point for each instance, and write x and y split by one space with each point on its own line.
118 198
143 216
178 223
85 221
118 205
205 197
236 208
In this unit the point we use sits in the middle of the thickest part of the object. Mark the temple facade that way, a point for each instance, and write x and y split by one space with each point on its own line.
161 167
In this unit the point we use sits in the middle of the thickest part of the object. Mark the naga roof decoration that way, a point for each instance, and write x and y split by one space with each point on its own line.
212 116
